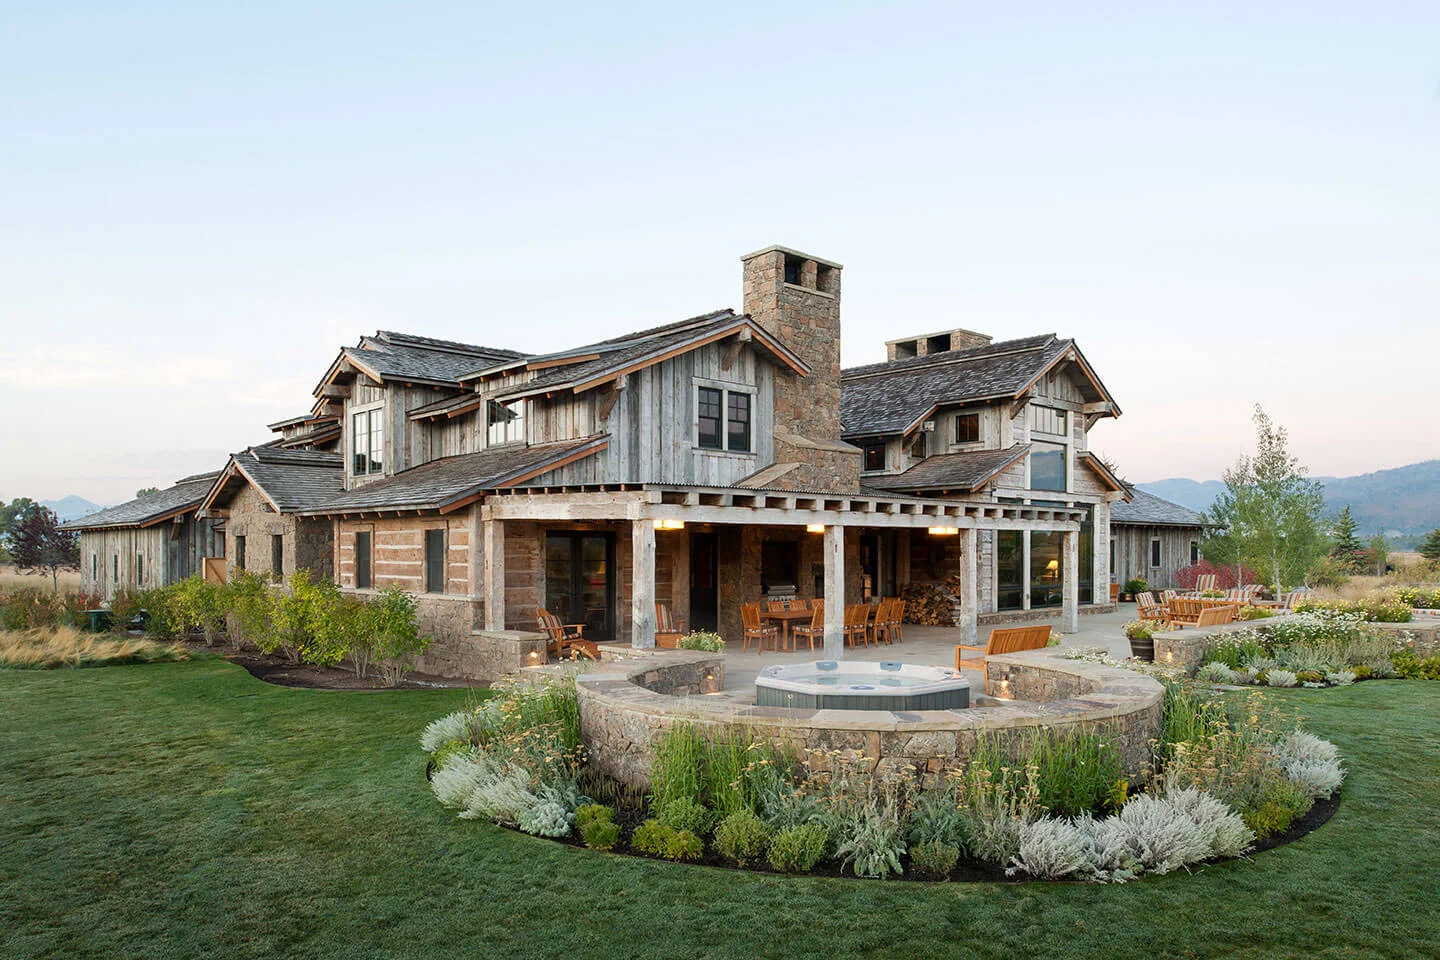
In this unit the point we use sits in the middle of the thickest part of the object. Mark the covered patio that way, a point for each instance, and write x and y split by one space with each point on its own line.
835 539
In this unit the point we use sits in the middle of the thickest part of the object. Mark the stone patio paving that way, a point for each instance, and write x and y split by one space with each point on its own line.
928 645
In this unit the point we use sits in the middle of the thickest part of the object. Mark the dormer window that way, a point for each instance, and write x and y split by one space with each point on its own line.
723 419
367 442
874 456
505 422
967 428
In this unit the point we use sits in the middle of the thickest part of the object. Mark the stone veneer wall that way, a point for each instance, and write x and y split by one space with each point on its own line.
1185 649
625 705
308 542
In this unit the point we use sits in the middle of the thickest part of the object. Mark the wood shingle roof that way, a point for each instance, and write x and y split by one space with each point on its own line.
173 501
955 472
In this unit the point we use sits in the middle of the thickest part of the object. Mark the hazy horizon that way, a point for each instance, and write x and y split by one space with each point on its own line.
1223 206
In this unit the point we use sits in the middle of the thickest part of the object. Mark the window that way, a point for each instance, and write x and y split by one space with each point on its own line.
435 560
139 568
708 405
362 559
277 556
367 442
1046 577
724 419
967 428
1194 552
1047 466
116 558
737 424
1154 551
1047 420
94 567
506 422
919 450
874 455
239 553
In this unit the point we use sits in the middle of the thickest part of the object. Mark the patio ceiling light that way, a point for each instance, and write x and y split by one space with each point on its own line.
814 528
944 531
669 524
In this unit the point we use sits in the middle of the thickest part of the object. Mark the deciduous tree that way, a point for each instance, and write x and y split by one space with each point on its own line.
36 542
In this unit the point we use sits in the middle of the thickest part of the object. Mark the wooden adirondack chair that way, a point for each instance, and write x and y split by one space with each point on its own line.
565 638
668 627
1185 611
1205 581
1148 608
1002 640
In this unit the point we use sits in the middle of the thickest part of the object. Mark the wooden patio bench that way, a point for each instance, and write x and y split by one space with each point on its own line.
1003 640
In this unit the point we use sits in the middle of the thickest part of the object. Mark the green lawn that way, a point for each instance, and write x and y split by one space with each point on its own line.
187 809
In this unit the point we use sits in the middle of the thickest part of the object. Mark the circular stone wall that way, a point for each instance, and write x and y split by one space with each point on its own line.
625 704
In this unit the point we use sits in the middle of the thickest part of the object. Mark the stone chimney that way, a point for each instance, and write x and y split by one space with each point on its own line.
928 343
796 297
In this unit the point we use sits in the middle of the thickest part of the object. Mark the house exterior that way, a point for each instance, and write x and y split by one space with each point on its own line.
702 464
1153 538
148 542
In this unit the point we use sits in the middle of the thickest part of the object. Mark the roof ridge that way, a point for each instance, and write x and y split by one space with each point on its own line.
440 345
987 352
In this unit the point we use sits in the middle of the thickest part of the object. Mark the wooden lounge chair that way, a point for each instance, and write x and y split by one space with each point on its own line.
1148 609
757 629
668 628
565 641
814 630
1205 581
1166 596
1002 640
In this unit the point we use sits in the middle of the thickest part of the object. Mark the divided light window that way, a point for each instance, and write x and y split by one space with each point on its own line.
967 428
724 419
505 422
277 556
367 442
1047 420
874 455
435 560
362 559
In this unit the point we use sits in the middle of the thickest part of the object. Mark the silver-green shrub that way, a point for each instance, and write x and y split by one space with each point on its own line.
454 726
546 818
1215 673
1314 764
1280 678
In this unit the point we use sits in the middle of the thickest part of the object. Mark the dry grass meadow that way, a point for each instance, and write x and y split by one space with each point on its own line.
11 578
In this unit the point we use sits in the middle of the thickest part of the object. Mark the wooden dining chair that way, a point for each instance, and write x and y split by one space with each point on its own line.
757 629
857 624
814 630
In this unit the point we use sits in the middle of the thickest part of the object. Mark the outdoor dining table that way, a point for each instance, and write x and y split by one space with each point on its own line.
786 618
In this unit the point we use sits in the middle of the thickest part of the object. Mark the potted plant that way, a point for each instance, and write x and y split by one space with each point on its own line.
1135 585
1141 634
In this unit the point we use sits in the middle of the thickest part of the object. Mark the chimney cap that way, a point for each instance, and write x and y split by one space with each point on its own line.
791 252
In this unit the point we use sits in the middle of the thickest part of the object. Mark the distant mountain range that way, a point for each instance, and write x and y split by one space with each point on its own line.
71 507
1403 502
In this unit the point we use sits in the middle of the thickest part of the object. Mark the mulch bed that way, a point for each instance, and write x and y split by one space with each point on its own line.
283 673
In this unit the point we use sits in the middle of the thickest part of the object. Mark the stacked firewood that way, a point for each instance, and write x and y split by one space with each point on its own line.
931 604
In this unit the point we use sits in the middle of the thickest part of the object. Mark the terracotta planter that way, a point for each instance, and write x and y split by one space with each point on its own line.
1143 649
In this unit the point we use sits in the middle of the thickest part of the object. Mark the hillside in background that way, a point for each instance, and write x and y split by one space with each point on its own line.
1403 502
71 507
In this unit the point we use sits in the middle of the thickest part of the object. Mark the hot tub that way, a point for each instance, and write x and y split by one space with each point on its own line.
860 685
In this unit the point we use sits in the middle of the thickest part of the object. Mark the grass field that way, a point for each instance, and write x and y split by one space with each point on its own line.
11 578
179 810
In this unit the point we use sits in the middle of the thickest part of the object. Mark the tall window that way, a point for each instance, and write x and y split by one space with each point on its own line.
367 442
737 421
967 428
362 559
874 455
920 448
1194 552
1047 466
708 401
1046 577
94 567
435 560
139 568
724 419
1047 420
277 556
239 553
116 559
506 422
1155 551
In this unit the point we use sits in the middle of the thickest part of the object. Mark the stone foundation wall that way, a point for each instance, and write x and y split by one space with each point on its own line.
624 707
484 655
1185 649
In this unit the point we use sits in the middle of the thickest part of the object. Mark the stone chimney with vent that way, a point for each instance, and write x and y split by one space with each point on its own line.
796 297
928 343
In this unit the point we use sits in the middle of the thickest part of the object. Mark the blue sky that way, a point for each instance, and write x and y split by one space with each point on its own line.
1224 205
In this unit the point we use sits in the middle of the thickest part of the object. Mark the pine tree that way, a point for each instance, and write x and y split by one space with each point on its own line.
1430 549
1346 547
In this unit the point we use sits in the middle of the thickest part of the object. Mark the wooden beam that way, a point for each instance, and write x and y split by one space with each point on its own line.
642 585
733 350
335 390
494 532
613 397
834 550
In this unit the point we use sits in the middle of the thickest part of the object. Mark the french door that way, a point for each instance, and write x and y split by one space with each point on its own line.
580 581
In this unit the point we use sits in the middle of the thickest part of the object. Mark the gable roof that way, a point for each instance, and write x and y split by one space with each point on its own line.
392 356
453 482
602 362
289 480
895 396
1146 509
962 472
173 501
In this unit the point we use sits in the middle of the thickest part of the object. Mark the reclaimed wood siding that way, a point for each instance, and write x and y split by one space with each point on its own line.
1132 552
652 424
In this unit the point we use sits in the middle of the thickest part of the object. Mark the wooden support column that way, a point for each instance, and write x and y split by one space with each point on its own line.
642 584
494 532
969 577
834 592
1070 581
